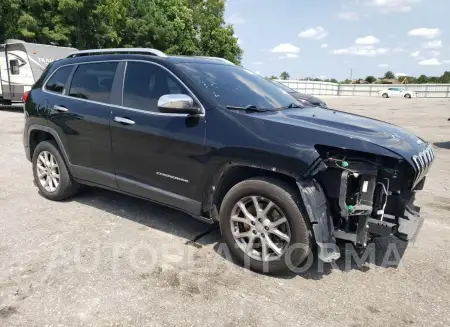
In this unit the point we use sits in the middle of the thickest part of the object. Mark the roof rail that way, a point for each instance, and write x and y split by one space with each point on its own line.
217 58
145 51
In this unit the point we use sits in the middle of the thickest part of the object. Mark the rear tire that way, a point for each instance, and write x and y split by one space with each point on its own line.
50 173
273 249
385 95
408 96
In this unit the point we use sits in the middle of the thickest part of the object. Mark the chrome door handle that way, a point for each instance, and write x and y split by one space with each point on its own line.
60 108
124 121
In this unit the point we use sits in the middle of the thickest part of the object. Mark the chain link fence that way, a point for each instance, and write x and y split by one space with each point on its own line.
327 88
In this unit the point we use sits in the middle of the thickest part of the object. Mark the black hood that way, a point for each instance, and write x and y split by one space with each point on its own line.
340 129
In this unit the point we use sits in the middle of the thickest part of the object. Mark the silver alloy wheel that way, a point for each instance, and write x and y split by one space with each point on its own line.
47 170
260 228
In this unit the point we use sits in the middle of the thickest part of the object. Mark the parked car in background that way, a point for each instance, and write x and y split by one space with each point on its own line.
397 92
224 145
305 99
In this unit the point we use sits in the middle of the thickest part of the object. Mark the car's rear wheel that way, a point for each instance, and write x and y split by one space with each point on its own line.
50 172
263 226
385 95
408 96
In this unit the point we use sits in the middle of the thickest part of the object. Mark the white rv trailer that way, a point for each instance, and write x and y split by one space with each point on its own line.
21 65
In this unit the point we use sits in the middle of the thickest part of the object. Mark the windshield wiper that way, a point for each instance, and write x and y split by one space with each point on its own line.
290 106
248 108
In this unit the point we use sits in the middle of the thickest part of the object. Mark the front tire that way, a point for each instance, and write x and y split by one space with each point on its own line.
408 96
385 95
51 174
263 227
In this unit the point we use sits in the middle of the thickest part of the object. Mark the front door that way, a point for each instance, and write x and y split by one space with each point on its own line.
156 155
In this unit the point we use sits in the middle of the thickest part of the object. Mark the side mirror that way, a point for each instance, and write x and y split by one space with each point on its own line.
178 104
14 67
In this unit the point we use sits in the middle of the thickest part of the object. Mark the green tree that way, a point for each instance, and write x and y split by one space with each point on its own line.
273 77
333 80
445 78
370 79
213 36
285 75
389 75
422 79
9 15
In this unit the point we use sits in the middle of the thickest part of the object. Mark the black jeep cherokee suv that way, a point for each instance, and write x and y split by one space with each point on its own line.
223 144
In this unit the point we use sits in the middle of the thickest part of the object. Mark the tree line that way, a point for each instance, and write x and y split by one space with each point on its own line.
179 27
422 79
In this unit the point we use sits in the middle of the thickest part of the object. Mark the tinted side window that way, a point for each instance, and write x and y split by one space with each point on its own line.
146 83
58 80
93 81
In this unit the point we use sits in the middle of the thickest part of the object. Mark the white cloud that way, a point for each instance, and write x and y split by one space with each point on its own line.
368 51
235 20
388 6
257 63
434 53
400 74
367 40
383 66
415 54
425 32
348 16
436 44
324 45
316 33
289 56
239 41
430 62
286 48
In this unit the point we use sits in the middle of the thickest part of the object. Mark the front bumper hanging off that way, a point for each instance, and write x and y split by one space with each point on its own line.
405 221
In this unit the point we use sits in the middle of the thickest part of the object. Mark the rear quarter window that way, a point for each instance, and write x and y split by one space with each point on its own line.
58 80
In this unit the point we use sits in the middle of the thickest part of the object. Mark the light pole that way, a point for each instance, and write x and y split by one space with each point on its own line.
351 73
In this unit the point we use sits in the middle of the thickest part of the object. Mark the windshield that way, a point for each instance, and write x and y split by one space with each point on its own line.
284 87
234 86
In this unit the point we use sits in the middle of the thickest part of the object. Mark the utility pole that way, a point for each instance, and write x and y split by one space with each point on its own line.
351 73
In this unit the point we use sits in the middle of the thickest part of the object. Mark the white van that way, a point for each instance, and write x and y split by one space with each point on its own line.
21 64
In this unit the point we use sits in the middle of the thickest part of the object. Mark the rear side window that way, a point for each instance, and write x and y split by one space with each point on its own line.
93 81
146 83
58 80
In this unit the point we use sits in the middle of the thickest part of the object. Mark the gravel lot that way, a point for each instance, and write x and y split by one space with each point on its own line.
104 259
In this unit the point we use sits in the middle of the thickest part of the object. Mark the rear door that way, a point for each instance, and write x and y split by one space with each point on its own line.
157 155
80 112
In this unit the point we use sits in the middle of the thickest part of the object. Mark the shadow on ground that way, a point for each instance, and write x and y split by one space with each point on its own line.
382 252
443 145
18 109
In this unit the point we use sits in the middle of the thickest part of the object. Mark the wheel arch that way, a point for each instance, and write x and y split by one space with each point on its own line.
38 133
232 173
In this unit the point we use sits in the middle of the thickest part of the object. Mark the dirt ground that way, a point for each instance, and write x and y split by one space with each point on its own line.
104 259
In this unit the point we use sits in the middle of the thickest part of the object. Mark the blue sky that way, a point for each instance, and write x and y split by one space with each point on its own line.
327 38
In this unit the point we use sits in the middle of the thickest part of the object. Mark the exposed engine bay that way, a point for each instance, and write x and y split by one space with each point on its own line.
364 196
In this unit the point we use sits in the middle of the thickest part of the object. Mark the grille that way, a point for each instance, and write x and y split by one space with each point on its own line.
422 163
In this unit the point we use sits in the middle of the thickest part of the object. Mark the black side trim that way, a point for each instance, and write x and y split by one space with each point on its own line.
161 196
94 175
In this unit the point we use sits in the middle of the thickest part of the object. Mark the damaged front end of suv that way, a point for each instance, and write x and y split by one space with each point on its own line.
356 196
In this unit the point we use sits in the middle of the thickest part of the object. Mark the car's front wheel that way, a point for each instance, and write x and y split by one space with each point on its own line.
51 174
385 95
262 224
408 96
